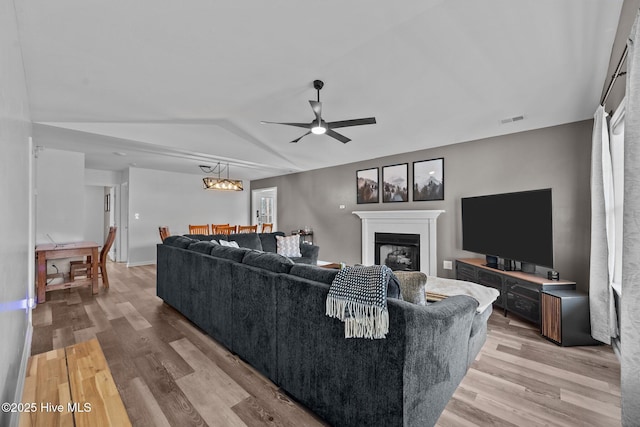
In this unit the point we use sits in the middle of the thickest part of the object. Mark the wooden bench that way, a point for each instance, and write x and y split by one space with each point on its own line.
71 387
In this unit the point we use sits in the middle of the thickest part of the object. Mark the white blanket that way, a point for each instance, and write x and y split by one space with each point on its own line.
450 287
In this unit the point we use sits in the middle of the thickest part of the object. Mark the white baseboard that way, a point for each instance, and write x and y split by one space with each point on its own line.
141 263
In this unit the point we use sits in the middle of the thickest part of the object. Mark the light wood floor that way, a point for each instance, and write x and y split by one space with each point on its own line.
171 374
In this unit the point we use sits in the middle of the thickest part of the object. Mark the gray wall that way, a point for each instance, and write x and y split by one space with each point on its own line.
556 157
16 249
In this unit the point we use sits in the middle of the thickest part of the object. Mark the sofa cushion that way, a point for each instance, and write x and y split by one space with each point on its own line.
315 273
178 241
412 286
268 240
203 247
233 254
288 245
247 240
268 261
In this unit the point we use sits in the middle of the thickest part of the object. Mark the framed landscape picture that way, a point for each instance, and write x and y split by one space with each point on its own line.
368 185
428 180
395 186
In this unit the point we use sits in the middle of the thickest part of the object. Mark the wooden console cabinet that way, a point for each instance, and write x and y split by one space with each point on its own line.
565 318
520 292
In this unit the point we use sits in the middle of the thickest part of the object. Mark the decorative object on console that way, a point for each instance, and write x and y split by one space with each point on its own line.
367 185
395 187
288 246
318 126
306 234
428 180
224 184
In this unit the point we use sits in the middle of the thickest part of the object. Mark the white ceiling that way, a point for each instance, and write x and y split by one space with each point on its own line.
178 84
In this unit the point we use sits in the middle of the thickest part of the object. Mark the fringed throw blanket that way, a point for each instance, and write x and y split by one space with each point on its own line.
358 297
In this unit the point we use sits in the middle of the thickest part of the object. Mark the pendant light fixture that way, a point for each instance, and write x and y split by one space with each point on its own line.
223 184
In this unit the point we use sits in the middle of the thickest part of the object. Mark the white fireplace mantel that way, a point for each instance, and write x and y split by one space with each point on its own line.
422 222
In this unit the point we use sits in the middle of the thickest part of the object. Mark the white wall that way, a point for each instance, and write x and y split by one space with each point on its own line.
94 214
103 178
60 195
16 215
176 200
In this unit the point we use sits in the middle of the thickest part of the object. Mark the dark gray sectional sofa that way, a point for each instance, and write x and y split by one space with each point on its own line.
271 312
264 242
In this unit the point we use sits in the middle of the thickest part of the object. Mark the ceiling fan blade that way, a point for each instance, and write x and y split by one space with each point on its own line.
300 125
317 108
298 139
337 136
354 122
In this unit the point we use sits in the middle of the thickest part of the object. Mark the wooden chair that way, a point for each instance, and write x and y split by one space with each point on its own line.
267 228
247 229
232 229
199 229
214 227
164 232
83 268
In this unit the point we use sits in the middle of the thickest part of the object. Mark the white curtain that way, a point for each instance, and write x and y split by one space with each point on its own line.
601 299
630 300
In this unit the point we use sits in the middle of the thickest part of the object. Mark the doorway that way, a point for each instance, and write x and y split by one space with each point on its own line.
264 207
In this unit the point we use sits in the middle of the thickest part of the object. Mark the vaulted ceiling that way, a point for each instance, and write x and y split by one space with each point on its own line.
176 84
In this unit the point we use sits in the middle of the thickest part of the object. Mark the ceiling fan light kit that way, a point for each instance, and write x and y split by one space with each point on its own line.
319 126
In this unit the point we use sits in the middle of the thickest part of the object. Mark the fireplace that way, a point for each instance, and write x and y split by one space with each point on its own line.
419 222
398 251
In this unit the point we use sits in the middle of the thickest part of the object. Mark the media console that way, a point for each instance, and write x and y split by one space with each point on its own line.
520 292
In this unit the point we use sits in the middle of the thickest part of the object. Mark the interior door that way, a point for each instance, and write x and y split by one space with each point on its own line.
264 206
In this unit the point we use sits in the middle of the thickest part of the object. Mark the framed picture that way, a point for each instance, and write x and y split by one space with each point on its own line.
368 185
395 187
428 180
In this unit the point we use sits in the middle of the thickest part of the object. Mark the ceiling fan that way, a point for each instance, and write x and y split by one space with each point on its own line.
319 126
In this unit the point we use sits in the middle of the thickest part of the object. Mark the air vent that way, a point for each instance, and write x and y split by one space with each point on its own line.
512 119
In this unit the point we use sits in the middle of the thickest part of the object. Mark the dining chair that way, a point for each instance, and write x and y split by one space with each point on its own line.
164 232
214 227
199 229
83 268
232 229
247 229
267 227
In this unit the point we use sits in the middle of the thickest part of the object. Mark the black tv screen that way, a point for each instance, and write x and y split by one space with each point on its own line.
514 226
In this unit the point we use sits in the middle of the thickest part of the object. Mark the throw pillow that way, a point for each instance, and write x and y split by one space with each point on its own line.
288 246
229 244
412 286
215 242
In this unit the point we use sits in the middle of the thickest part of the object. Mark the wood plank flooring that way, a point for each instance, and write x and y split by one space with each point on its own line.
169 373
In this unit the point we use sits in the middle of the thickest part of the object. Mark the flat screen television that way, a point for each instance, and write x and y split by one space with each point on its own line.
514 226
